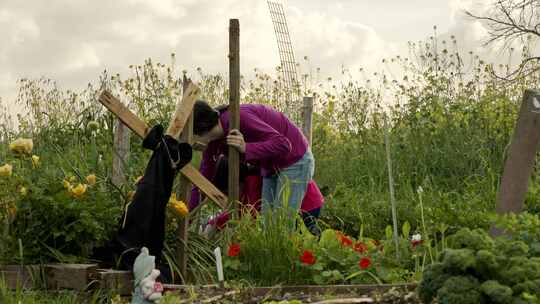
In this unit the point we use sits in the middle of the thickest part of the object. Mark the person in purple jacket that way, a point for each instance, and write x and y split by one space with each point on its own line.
266 139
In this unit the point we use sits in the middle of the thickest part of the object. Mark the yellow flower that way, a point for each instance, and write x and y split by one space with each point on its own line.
180 208
6 170
23 191
130 195
12 211
79 190
172 199
91 179
22 145
72 179
66 183
35 161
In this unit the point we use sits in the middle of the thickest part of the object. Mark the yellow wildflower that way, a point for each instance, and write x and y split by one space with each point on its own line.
79 190
130 195
22 145
180 208
72 179
12 211
23 191
6 170
35 161
66 184
91 179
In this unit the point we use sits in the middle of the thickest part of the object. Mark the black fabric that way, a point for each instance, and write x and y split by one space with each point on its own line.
221 177
143 223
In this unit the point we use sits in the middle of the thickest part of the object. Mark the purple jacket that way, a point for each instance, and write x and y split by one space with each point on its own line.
273 142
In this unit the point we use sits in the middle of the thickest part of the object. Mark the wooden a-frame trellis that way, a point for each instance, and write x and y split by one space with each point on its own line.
181 127
180 120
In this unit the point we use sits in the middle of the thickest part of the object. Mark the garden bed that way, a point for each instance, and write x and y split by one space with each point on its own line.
385 293
87 277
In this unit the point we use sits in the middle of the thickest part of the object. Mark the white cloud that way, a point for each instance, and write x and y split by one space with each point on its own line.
73 41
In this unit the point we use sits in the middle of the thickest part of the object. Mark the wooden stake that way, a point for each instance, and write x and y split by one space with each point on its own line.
307 118
521 157
234 108
391 185
120 153
183 192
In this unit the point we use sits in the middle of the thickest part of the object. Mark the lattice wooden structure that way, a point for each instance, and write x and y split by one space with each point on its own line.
289 69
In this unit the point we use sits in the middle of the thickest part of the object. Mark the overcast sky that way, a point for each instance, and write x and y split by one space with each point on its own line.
72 41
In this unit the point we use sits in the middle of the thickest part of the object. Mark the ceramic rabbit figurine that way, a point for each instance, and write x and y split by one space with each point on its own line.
147 290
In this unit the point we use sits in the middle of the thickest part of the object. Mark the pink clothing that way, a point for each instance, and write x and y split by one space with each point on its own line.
313 198
251 200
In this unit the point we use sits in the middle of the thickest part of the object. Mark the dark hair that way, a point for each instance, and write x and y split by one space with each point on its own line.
204 117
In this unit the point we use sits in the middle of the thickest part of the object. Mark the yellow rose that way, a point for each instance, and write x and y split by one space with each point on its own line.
23 191
35 161
6 170
22 145
91 179
79 190
180 208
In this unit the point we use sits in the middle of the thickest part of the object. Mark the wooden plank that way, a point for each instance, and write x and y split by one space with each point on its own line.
69 276
20 277
521 157
184 192
120 153
304 289
307 118
183 110
120 281
131 120
205 185
234 109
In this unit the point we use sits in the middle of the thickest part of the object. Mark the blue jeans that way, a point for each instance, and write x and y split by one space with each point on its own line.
288 186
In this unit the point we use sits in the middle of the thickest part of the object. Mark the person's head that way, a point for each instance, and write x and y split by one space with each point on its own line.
206 123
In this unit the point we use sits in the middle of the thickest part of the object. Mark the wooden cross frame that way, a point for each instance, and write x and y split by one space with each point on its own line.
184 108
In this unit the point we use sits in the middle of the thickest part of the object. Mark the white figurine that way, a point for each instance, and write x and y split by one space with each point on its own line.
147 290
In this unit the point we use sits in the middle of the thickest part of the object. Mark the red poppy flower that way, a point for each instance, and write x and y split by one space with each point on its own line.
360 247
307 258
364 263
345 241
234 250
